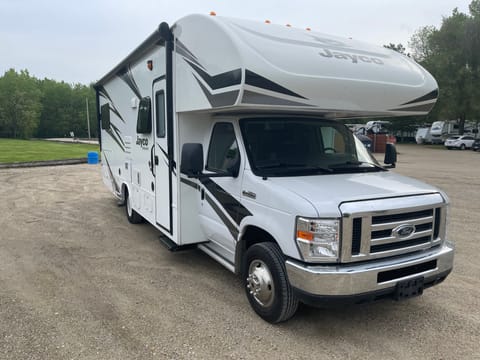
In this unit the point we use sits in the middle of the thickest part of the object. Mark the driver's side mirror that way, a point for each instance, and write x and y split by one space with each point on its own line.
192 160
192 163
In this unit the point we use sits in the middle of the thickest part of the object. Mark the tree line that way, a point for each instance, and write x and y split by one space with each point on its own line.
451 53
30 107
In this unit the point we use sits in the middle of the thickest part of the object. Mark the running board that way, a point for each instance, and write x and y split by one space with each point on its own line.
173 247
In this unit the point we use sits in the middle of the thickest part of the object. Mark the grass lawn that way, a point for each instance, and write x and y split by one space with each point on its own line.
12 150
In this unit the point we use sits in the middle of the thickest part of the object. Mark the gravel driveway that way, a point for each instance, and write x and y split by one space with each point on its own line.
77 281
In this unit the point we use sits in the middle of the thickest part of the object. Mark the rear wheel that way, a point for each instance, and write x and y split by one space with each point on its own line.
266 283
132 216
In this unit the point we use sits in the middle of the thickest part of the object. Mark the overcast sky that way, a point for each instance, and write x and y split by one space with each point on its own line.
80 41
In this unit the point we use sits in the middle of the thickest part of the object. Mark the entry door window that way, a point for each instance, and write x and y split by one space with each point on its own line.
160 110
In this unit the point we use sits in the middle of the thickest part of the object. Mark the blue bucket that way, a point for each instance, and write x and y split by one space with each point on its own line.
92 157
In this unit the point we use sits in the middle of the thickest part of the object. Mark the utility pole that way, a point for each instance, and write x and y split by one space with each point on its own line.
88 118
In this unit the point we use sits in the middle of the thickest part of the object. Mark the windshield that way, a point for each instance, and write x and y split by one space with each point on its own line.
303 146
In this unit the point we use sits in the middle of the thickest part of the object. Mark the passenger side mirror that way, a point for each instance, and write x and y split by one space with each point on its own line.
192 160
390 155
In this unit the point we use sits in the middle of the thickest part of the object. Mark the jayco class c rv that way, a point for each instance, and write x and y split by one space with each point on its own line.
223 134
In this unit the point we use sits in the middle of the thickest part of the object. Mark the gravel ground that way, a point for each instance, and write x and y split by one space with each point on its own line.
77 281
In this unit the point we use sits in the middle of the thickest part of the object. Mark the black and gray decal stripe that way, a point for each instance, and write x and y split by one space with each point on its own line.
230 226
103 93
115 185
259 81
114 137
430 96
182 50
422 108
232 206
190 183
125 74
118 134
228 78
250 97
218 100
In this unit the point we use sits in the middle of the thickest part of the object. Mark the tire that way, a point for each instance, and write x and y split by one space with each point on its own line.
132 216
449 148
266 283
462 147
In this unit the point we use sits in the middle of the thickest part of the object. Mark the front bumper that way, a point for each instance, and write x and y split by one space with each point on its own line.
373 277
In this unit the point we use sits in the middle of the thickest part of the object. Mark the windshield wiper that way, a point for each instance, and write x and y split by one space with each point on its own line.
284 168
356 165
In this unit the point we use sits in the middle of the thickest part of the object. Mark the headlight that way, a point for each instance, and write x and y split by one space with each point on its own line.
318 239
448 241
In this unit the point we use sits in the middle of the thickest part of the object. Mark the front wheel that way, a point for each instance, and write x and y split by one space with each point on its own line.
132 216
266 283
462 147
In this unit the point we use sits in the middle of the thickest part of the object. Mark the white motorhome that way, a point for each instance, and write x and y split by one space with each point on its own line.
222 134
423 136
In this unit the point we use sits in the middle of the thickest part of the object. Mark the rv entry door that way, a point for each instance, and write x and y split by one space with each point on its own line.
163 180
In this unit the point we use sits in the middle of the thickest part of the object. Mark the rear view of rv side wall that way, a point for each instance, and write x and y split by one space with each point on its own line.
275 189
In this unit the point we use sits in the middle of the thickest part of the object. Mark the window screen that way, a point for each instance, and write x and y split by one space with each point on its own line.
105 116
223 153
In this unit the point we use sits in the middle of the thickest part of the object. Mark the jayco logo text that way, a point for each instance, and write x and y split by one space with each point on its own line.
354 58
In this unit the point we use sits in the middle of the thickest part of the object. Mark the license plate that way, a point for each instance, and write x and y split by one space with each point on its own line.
409 288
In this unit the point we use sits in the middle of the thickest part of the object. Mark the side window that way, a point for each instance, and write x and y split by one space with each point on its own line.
160 110
144 120
105 116
223 154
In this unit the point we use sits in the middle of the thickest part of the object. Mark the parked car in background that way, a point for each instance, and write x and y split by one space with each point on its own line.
461 142
366 141
476 145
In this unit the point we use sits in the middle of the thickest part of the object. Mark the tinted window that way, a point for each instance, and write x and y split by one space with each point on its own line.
160 109
105 116
302 146
223 152
144 120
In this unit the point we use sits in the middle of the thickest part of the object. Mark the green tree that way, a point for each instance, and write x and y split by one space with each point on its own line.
64 110
19 104
452 54
398 48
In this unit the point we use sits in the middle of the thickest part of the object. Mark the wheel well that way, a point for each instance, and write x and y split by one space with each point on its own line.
253 235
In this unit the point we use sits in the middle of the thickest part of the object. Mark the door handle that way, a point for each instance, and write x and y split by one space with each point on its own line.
156 159
150 163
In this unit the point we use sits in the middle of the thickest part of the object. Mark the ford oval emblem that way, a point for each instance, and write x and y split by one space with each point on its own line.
403 231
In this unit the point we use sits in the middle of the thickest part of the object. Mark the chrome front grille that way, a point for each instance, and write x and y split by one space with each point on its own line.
410 224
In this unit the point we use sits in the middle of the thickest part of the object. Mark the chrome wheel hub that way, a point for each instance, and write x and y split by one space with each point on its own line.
260 283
